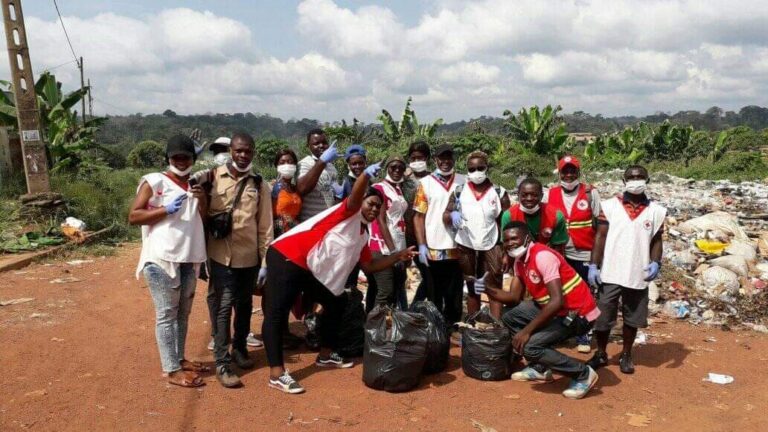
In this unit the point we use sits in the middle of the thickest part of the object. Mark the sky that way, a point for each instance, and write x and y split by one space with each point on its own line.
332 59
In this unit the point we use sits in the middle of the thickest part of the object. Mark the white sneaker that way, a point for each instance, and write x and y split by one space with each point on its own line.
210 345
251 341
584 348
285 383
579 389
531 374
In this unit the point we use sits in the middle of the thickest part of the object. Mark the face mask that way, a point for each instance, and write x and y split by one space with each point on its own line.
445 173
418 166
351 174
518 251
531 210
286 171
179 172
635 187
243 170
477 177
569 186
222 159
389 179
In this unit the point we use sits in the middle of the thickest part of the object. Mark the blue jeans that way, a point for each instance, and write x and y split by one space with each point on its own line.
172 307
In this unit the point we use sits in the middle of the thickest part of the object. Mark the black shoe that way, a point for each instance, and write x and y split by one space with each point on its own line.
227 377
626 365
598 360
242 359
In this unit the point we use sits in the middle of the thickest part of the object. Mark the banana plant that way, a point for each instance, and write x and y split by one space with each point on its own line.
537 130
408 127
720 145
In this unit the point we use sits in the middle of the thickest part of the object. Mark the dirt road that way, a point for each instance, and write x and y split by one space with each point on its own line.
82 356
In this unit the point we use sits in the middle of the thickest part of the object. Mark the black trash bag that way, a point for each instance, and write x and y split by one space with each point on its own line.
312 339
394 357
351 339
486 354
438 342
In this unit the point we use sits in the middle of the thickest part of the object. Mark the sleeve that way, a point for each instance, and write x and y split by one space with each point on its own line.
505 218
276 188
365 255
548 265
601 219
595 203
304 167
420 201
265 222
560 233
380 188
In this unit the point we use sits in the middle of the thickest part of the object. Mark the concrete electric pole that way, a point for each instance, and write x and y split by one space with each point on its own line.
27 113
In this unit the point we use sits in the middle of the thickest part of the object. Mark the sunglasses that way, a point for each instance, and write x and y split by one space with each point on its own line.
481 169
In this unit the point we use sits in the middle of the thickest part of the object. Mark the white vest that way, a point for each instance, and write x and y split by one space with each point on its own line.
628 244
479 231
439 236
177 238
395 212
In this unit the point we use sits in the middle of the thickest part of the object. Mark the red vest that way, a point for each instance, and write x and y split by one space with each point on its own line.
576 293
580 227
546 225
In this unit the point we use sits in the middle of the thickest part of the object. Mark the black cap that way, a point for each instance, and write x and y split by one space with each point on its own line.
180 144
443 148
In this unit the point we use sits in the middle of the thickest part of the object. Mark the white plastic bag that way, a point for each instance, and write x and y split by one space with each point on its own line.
742 248
715 277
735 263
715 221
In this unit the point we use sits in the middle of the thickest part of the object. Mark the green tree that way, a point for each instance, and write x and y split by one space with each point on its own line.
147 154
408 128
267 148
540 131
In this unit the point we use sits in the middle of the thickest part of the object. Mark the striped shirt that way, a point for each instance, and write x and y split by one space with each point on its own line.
321 197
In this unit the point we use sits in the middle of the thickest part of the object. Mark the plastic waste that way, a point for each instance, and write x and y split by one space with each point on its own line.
678 309
735 263
438 343
715 277
486 353
718 220
718 378
742 248
711 247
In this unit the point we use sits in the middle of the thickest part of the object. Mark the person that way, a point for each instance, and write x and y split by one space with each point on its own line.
316 257
388 237
356 159
238 258
626 257
437 247
418 165
317 176
286 201
580 204
561 307
474 210
170 213
220 150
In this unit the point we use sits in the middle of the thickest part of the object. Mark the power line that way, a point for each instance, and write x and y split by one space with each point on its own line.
113 106
61 20
56 67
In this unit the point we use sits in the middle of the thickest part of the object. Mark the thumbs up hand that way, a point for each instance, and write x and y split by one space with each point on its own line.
330 154
480 284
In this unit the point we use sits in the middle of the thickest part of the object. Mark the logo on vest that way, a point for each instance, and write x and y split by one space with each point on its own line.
534 276
547 232
647 225
582 204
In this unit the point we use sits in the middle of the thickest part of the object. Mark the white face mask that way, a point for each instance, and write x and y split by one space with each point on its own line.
389 179
179 172
636 187
477 177
222 159
286 171
530 211
243 170
569 186
418 166
351 174
445 173
518 251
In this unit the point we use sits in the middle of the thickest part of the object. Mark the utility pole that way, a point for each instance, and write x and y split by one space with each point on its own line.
90 99
82 86
27 113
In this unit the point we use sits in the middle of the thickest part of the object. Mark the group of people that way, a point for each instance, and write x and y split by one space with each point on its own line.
301 242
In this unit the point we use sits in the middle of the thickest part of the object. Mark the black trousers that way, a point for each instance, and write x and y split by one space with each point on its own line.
447 286
232 289
285 280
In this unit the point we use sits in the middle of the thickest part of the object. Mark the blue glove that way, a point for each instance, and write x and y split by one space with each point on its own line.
373 170
457 219
594 275
175 205
330 154
423 254
480 284
261 279
338 190
653 271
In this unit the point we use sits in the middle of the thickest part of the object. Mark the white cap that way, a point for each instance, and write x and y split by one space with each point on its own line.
225 141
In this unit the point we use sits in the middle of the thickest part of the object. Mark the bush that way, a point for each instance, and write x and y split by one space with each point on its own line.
518 163
147 154
734 166
267 148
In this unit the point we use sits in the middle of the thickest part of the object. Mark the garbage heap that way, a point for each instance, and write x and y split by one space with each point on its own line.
715 267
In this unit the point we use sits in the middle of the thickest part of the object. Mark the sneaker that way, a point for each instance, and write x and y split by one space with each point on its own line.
584 344
598 360
286 383
579 388
242 359
626 365
531 374
334 360
251 341
227 377
210 345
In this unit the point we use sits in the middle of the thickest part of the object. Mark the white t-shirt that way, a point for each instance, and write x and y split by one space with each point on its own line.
479 230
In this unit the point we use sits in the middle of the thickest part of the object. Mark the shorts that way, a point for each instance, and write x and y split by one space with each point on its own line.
634 307
476 263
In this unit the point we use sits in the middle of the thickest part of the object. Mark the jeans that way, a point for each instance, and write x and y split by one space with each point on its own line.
172 307
386 287
538 351
233 288
285 280
448 284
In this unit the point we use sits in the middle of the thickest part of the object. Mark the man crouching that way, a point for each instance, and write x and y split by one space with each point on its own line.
562 307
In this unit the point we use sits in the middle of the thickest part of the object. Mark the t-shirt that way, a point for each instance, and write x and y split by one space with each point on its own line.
322 196
559 233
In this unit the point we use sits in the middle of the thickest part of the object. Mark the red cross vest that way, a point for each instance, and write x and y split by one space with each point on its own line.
576 295
580 227
546 226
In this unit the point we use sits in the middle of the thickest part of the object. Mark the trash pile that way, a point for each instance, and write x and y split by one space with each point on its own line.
715 268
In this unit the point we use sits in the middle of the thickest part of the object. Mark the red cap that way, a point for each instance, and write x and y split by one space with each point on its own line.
568 160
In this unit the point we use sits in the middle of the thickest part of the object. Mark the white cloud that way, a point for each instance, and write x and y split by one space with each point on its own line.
470 73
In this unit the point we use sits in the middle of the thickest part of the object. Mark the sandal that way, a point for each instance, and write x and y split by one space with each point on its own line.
186 379
193 366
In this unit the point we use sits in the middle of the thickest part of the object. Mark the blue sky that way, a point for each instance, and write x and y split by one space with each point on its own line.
333 59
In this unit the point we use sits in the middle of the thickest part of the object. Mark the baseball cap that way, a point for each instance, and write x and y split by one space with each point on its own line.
354 149
180 145
568 160
394 158
443 148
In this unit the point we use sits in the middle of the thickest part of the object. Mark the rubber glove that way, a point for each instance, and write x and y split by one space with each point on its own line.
653 271
330 154
261 279
423 254
457 219
373 170
175 205
594 275
480 284
338 190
